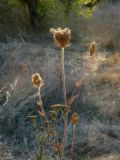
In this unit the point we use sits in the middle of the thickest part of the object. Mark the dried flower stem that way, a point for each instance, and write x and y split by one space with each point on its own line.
63 75
65 100
42 108
41 151
39 94
73 138
40 101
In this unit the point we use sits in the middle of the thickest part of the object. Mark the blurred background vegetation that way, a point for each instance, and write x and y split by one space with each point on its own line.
86 18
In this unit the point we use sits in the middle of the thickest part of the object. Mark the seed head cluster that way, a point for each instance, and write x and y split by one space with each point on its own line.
37 81
61 37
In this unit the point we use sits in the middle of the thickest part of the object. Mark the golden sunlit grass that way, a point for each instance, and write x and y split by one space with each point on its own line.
111 72
108 157
108 76
113 59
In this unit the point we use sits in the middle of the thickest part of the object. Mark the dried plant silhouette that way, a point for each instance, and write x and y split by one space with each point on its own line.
48 133
97 68
62 39
59 87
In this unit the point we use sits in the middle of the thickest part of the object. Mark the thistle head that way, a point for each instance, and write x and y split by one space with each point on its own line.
75 118
37 81
61 37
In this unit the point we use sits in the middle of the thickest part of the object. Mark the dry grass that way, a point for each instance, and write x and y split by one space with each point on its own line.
109 70
105 25
109 157
97 91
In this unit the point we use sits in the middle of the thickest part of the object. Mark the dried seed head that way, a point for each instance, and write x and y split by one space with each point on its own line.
92 49
61 37
75 118
37 81
58 148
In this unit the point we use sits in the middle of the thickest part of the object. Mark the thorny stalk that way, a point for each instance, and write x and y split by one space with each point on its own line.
39 96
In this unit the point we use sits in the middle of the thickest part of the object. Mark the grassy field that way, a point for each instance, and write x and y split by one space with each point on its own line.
60 90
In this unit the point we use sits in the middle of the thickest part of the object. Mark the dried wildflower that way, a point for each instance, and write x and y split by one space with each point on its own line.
37 81
75 118
92 49
62 37
58 148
